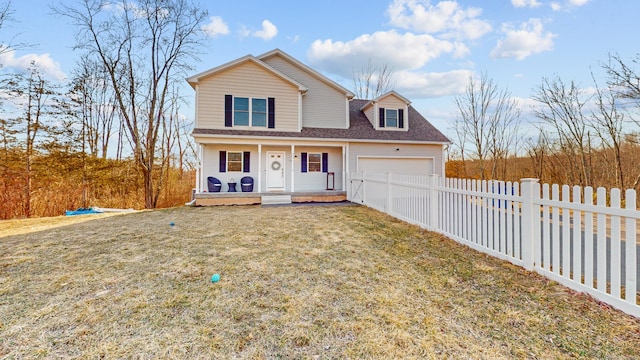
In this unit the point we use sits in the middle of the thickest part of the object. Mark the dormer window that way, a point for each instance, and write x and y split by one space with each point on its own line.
391 118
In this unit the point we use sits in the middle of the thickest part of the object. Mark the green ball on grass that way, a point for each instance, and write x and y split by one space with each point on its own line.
215 278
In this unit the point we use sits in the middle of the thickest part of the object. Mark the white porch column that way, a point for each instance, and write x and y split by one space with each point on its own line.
293 152
199 171
259 167
344 168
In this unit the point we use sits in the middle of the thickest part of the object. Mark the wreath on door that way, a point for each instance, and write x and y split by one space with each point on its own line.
276 165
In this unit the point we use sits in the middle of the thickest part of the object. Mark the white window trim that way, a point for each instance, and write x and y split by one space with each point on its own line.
309 162
250 100
241 161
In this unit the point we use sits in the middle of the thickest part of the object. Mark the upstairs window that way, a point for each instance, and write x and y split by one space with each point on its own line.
240 111
259 112
391 118
246 111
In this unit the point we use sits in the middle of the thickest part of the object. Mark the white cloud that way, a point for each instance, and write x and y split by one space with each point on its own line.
578 2
525 3
428 85
566 5
398 51
215 27
268 32
446 18
520 43
49 67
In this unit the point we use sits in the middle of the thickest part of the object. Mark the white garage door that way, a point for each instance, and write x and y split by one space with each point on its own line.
404 166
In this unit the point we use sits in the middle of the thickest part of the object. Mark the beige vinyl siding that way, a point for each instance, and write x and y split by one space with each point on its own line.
370 113
322 106
391 102
317 181
389 150
246 80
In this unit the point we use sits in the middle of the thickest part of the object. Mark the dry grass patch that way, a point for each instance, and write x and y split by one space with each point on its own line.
296 282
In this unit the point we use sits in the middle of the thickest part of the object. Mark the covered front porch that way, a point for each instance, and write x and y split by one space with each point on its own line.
230 172
253 198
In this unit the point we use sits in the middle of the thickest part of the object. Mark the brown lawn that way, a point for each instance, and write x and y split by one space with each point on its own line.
318 282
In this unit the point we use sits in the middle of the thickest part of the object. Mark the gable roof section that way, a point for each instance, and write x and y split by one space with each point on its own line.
324 79
360 129
193 80
389 93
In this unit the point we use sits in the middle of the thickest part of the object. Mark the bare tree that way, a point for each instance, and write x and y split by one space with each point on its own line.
623 77
562 108
145 46
5 15
608 124
32 94
488 119
372 81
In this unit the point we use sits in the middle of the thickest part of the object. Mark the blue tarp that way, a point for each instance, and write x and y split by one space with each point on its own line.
82 211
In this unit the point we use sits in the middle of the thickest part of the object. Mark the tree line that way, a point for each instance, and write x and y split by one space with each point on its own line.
113 135
585 136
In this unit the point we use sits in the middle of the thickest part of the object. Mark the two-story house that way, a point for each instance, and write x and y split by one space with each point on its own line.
297 135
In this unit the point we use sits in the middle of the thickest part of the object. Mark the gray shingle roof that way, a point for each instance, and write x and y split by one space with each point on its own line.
420 130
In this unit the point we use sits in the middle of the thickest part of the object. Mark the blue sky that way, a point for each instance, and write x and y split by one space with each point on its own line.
432 46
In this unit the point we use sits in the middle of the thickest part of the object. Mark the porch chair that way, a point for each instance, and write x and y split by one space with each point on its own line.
246 183
214 184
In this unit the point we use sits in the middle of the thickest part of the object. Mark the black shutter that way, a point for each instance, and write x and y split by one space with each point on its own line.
228 110
223 161
381 118
304 162
247 158
271 120
325 162
401 118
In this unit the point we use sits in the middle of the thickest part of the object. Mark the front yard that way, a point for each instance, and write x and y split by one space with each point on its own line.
325 282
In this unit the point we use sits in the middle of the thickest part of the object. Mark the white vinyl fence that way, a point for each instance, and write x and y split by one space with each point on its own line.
584 240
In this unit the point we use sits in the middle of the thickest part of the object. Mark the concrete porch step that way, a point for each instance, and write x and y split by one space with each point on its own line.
275 199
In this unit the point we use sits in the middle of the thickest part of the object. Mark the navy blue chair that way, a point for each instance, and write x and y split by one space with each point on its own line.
246 183
214 184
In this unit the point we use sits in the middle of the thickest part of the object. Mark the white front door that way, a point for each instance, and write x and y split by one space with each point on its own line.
275 170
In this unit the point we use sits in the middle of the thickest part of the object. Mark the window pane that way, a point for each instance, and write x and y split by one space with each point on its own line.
241 118
259 119
258 112
314 167
241 104
391 117
234 166
314 163
259 105
234 161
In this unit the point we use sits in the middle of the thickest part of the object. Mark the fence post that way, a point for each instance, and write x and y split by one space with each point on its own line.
530 241
433 203
364 189
388 204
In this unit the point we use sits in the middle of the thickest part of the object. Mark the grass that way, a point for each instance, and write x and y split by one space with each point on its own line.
330 282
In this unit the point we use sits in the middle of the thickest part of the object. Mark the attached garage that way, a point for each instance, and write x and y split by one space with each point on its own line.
396 165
